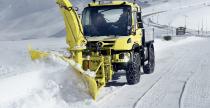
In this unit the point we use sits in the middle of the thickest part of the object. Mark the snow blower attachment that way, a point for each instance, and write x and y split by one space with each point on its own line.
110 38
77 44
87 76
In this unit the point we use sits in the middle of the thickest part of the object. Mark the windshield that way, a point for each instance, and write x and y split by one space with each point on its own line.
106 21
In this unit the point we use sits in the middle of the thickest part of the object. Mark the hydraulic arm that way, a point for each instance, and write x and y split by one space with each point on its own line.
76 41
74 31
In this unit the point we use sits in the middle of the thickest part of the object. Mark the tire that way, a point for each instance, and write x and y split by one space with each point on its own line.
150 66
133 72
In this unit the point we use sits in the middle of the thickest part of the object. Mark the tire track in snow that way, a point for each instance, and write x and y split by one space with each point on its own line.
203 62
183 89
181 62
189 76
169 70
136 103
186 82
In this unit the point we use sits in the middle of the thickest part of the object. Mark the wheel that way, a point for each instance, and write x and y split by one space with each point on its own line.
150 66
133 72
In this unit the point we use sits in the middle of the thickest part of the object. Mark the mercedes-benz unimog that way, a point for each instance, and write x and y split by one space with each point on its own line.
109 36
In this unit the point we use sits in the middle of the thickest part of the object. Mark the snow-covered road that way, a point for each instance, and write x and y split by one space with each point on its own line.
181 80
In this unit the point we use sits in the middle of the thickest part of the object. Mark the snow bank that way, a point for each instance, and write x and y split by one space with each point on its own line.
49 84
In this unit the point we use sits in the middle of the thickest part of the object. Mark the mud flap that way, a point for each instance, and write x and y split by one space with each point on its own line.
85 76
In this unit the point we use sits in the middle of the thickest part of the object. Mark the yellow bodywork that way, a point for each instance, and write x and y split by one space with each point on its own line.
101 65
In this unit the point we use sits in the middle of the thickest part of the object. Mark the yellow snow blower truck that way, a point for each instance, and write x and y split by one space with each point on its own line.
109 36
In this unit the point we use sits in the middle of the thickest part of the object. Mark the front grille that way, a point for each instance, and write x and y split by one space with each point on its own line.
93 44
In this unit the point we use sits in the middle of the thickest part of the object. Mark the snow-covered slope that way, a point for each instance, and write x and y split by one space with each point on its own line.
26 19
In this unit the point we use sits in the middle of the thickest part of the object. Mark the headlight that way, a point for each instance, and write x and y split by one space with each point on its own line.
126 59
124 56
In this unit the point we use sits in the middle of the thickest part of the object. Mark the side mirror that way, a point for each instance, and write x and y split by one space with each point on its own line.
139 16
139 20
